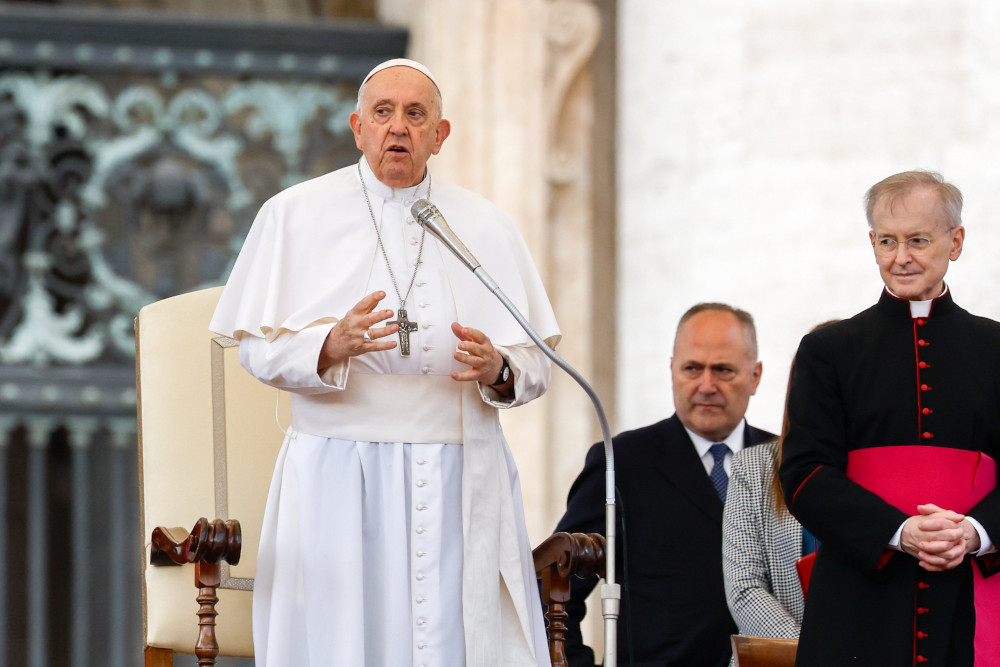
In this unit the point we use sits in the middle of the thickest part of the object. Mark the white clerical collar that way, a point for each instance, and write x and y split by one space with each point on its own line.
389 193
734 439
920 308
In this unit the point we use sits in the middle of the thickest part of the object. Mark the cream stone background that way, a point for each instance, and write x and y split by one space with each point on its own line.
749 132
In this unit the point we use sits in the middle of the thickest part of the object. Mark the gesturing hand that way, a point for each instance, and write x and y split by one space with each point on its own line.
347 337
476 351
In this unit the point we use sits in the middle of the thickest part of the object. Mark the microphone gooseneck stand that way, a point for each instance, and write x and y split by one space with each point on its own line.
431 219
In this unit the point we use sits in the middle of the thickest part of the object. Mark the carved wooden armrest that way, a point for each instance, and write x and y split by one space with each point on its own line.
556 559
206 545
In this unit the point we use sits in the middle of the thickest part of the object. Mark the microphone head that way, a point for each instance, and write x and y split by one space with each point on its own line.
424 211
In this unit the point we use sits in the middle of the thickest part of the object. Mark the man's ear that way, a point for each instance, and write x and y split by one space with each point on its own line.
758 369
443 130
355 121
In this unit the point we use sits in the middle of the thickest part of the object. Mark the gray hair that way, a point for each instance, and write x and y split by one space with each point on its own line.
899 185
745 319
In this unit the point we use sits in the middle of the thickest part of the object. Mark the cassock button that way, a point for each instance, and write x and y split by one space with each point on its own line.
421 484
421 530
921 635
414 241
421 600
925 387
924 364
928 435
923 585
922 610
421 646
421 508
921 658
421 554
922 342
420 577
920 322
927 411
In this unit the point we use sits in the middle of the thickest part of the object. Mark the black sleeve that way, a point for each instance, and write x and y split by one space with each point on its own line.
814 465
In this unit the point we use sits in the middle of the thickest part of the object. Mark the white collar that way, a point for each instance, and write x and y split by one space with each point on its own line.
389 193
920 308
734 439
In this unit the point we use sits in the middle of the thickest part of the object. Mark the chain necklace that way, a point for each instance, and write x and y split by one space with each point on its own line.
406 327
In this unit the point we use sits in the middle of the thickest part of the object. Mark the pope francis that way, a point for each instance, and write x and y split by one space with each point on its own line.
394 530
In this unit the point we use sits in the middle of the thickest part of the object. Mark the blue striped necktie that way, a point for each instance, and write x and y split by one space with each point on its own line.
720 480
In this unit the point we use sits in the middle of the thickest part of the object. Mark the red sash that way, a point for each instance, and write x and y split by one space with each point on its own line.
955 479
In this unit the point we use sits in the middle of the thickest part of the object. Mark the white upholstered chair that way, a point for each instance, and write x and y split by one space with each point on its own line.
208 439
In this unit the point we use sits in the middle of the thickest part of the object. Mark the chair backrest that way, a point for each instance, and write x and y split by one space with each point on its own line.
764 651
208 440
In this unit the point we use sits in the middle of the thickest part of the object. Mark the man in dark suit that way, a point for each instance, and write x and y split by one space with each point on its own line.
671 480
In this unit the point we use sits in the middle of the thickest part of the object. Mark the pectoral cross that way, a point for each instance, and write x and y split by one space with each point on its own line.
406 327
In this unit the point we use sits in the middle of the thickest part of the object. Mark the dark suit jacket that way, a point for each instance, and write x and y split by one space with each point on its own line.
674 609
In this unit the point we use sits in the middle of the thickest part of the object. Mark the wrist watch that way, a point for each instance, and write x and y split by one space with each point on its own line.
504 373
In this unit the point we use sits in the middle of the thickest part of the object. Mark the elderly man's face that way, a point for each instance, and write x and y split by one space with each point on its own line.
915 228
714 374
400 125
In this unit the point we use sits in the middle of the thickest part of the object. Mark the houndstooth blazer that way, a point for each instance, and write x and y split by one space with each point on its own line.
759 550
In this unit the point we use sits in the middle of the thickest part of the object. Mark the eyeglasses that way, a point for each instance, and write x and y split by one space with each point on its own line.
917 245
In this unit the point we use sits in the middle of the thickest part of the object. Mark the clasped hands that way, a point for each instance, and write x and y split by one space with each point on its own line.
347 339
938 538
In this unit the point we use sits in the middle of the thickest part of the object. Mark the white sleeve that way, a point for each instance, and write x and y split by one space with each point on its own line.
289 361
532 371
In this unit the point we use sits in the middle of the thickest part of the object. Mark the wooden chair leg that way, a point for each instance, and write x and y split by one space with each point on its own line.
558 558
159 657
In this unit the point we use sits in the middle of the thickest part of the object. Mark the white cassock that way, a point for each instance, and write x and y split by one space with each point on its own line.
394 529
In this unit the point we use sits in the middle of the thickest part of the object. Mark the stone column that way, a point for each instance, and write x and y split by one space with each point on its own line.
518 89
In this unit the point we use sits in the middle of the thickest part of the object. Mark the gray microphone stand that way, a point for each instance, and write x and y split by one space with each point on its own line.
431 219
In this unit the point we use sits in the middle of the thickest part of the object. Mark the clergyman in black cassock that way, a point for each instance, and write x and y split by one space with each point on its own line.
894 428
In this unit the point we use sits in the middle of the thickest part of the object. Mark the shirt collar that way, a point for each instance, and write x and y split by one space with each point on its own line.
897 306
389 193
734 439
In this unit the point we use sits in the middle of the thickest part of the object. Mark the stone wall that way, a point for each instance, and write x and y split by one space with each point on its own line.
749 132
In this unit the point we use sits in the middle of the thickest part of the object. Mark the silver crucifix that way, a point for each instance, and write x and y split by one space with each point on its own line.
406 327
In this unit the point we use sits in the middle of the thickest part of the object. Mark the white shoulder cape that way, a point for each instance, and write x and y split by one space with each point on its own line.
308 254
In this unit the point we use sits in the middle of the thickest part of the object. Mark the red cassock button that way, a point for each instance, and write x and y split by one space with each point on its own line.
927 411
928 435
921 658
921 635
925 387
923 585
922 610
924 364
920 322
922 342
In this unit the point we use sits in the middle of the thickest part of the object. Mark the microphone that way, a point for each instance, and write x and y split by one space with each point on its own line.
430 218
